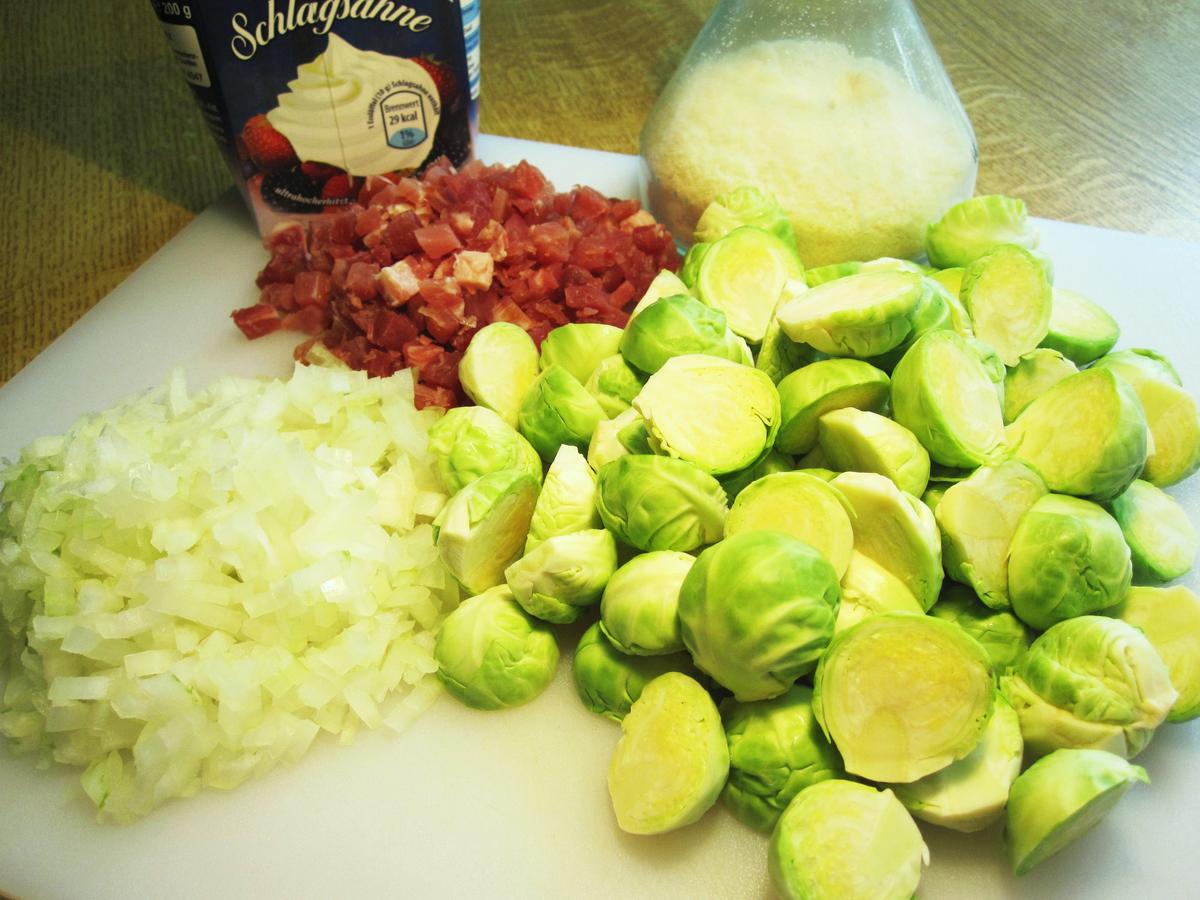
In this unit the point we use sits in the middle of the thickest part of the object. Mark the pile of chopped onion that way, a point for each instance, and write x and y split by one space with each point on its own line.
191 588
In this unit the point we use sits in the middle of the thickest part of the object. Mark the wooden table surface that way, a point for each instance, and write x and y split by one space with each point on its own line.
1088 109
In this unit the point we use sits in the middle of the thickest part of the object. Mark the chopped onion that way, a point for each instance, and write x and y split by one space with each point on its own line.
193 587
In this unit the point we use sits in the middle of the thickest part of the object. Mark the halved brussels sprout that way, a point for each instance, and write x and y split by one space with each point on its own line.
849 841
1007 295
860 441
778 355
676 326
1090 683
690 267
492 655
665 284
902 696
868 589
776 749
757 610
472 441
831 272
659 503
498 367
672 759
943 394
821 387
978 518
614 384
640 608
896 530
860 315
1170 619
971 228
482 528
951 280
608 682
936 311
1079 329
579 347
1162 541
745 205
558 410
563 574
800 505
1067 558
969 795
992 365
605 445
567 501
1086 436
743 274
1171 413
1034 374
714 413
1061 798
1001 634
735 482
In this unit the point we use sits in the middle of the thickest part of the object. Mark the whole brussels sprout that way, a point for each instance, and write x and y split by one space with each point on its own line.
675 326
672 759
498 367
579 347
608 681
558 410
481 529
563 574
639 611
567 501
757 610
903 674
714 413
1060 798
776 749
1090 683
1086 436
492 655
840 839
1001 634
969 795
471 441
968 230
659 503
1067 558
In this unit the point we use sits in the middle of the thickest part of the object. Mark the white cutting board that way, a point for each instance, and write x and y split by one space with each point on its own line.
510 804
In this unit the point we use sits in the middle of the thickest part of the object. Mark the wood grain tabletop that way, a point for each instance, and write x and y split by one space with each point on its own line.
1087 109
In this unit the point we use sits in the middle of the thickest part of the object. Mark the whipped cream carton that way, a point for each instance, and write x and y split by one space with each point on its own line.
310 98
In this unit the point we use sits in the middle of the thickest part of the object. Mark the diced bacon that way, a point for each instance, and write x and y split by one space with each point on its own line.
587 203
463 223
279 296
507 311
370 219
424 396
399 283
361 280
437 240
551 242
257 320
444 293
474 270
623 209
390 330
310 320
441 323
286 234
639 219
400 236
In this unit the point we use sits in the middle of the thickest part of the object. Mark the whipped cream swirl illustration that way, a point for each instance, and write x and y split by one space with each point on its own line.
364 112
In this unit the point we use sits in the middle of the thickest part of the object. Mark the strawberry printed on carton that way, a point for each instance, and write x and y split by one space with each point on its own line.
442 77
267 147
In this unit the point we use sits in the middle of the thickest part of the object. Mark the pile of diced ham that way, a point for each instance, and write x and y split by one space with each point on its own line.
407 275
